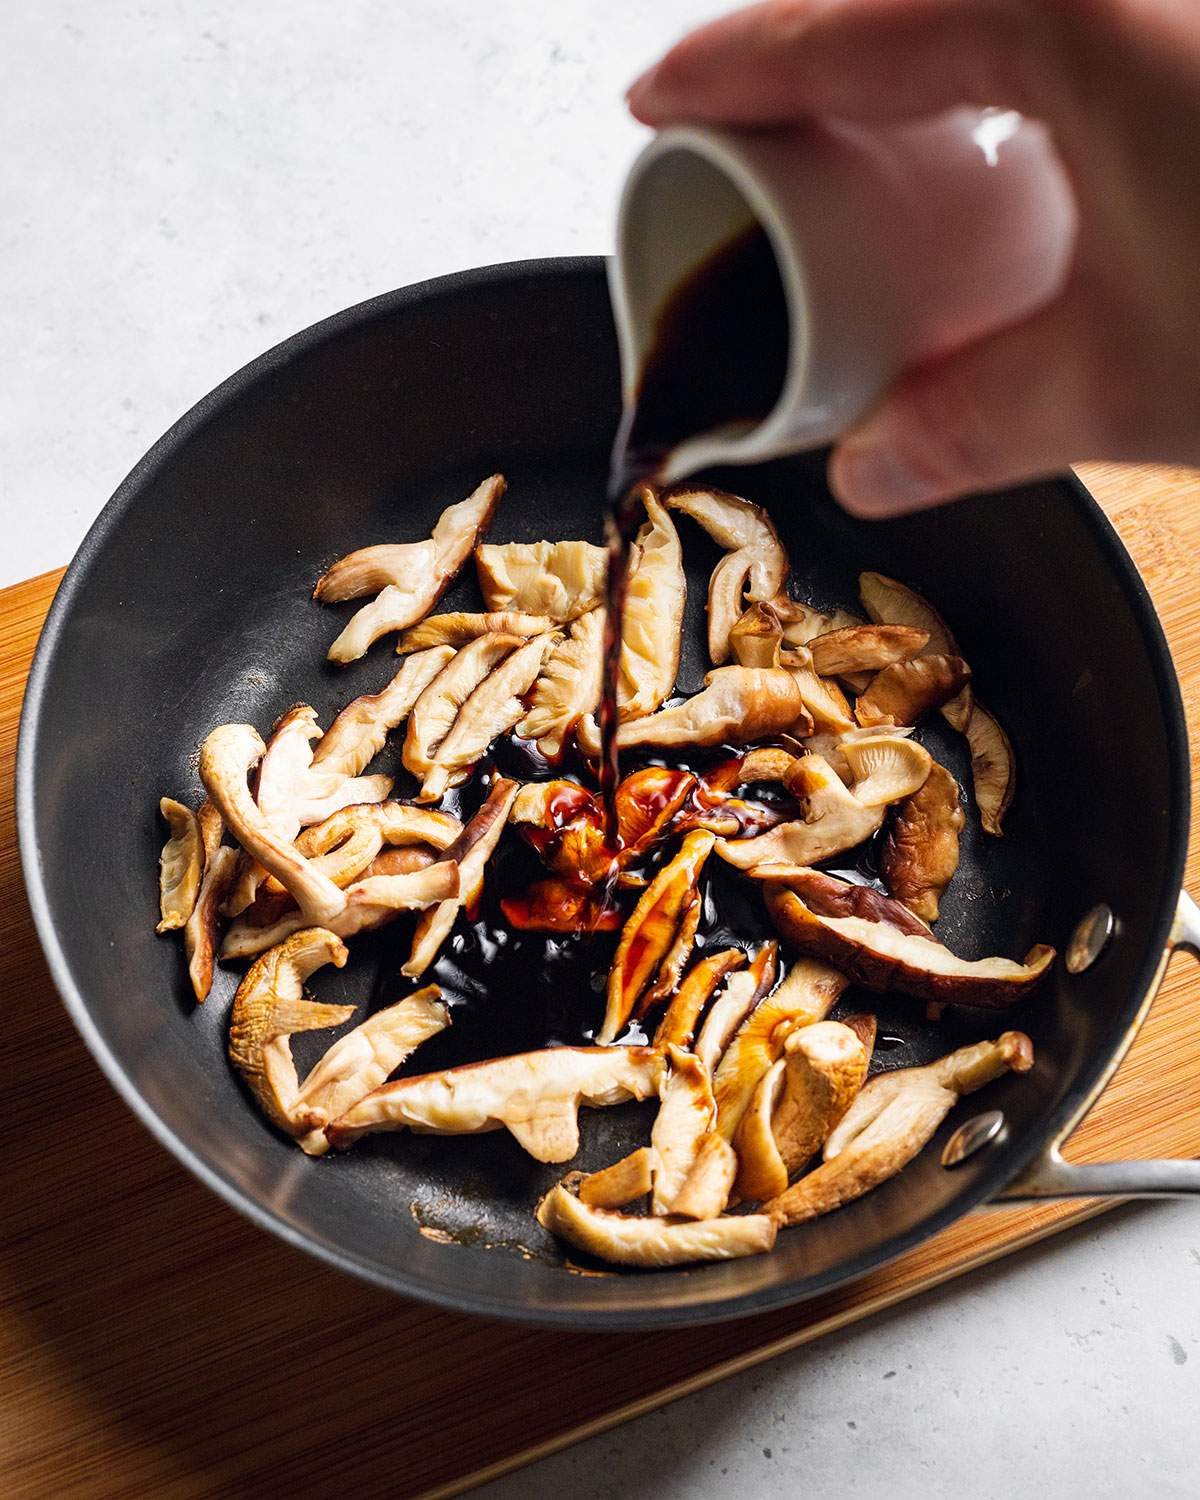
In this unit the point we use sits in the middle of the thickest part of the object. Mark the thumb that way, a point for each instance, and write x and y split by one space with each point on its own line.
1015 406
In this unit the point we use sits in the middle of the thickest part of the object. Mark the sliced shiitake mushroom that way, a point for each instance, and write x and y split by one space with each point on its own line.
624 1182
568 688
360 731
756 638
878 942
889 602
557 579
470 853
408 578
803 623
993 768
735 705
627 1241
491 710
534 1095
362 1060
699 985
864 648
743 990
435 711
707 1187
755 561
686 1114
180 866
460 628
200 930
920 852
650 931
826 708
907 690
891 1120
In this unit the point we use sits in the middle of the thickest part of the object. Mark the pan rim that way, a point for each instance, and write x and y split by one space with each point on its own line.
586 1312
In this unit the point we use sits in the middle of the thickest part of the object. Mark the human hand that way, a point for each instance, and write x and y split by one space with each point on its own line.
1109 369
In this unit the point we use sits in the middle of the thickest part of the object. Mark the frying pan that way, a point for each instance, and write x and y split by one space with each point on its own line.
189 604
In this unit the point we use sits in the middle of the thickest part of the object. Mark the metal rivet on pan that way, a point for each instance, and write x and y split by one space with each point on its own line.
972 1136
1090 938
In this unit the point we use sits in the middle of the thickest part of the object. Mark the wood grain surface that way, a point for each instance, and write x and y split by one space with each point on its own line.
154 1343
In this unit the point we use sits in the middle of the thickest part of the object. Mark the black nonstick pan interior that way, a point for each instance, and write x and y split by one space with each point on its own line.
189 604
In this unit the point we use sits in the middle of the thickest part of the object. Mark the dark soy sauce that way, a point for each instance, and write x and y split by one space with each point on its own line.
718 358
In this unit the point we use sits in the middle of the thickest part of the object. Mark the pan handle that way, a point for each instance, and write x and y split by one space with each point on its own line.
1049 1176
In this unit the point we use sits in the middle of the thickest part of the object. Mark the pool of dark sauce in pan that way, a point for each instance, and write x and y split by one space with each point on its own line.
718 360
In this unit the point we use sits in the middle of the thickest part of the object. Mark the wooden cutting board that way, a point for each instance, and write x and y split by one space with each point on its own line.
154 1343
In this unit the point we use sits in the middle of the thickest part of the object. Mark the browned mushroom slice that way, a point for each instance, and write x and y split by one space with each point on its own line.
226 758
888 602
891 1120
471 852
200 930
360 731
437 708
993 768
679 1023
736 705
650 931
757 637
743 990
755 557
180 866
625 1181
270 1007
920 852
865 648
706 1189
626 1241
806 996
461 628
907 690
676 958
363 1059
803 623
411 577
685 1116
568 688
878 942
797 1105
883 768
832 820
491 710
557 579
534 1095
825 704
371 902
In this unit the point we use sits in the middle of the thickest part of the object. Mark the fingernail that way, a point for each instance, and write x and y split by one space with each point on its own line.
639 90
874 482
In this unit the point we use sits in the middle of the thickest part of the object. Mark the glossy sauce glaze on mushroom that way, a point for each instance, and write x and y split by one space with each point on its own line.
719 941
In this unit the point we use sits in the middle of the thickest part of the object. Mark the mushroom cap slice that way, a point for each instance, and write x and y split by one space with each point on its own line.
491 710
736 705
437 708
743 990
471 852
726 596
757 637
411 577
833 820
557 579
697 989
461 627
626 1241
890 1122
363 1059
371 902
879 943
993 768
806 996
889 602
761 1173
180 865
652 623
907 690
270 1006
675 960
884 768
825 704
650 931
534 1095
920 851
360 731
200 930
626 1180
569 686
803 623
226 758
864 648
707 1187
685 1116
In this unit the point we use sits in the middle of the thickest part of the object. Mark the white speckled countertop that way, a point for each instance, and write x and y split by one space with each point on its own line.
184 184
